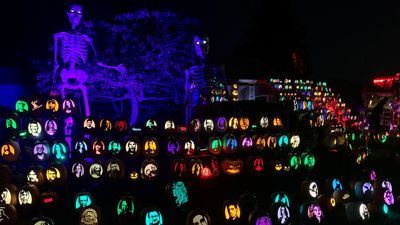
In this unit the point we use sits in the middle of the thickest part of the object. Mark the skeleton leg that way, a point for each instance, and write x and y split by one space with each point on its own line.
62 91
85 99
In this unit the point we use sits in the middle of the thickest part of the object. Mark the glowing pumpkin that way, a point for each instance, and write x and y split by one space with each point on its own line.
178 167
215 145
10 151
233 123
115 169
52 105
198 217
150 148
221 124
173 146
244 123
36 176
169 125
272 142
42 220
312 213
261 143
121 126
21 106
151 125
83 200
256 164
357 212
232 211
8 194
230 144
89 124
59 151
125 209
196 167
132 147
78 170
56 174
246 143
80 147
105 125
90 216
232 167
114 147
259 217
98 147
68 106
264 122
51 127
149 169
195 125
96 170
34 128
189 147
208 125
152 216
28 196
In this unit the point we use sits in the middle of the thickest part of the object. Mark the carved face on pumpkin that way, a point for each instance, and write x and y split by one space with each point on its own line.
232 167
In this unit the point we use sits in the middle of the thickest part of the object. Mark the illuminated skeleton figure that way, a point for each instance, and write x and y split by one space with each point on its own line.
71 51
205 82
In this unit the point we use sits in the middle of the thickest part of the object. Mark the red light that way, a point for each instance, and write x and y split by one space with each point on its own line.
383 82
47 200
206 172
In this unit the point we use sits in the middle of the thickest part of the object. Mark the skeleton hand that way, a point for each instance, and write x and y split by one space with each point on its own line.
121 68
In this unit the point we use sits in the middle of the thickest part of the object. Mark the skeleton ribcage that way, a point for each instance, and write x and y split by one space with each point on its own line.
74 50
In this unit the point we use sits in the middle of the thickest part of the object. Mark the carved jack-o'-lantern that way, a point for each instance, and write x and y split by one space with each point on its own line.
21 106
8 194
169 125
149 169
121 126
115 169
35 176
196 167
78 170
56 174
312 213
208 125
132 147
308 160
215 145
277 122
28 196
278 166
294 161
232 211
105 125
195 125
246 143
283 141
80 147
295 141
8 214
83 200
232 167
357 212
244 123
59 151
52 105
98 147
189 147
10 151
125 209
178 167
90 216
261 142
256 164
272 142
152 216
264 122
173 146
281 199
42 221
230 144
34 128
198 217
51 127
150 147
96 170
151 125
221 124
114 147
89 124
233 123
68 106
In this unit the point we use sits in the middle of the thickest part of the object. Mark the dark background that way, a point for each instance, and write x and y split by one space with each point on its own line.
343 42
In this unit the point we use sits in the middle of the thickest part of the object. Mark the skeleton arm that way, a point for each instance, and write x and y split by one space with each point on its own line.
120 68
56 65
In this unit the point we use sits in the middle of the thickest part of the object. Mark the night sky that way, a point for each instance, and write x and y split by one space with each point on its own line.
344 42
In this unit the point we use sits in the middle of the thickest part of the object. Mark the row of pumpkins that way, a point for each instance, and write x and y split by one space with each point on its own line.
149 146
373 196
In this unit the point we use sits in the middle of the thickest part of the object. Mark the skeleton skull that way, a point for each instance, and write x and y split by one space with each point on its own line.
74 15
